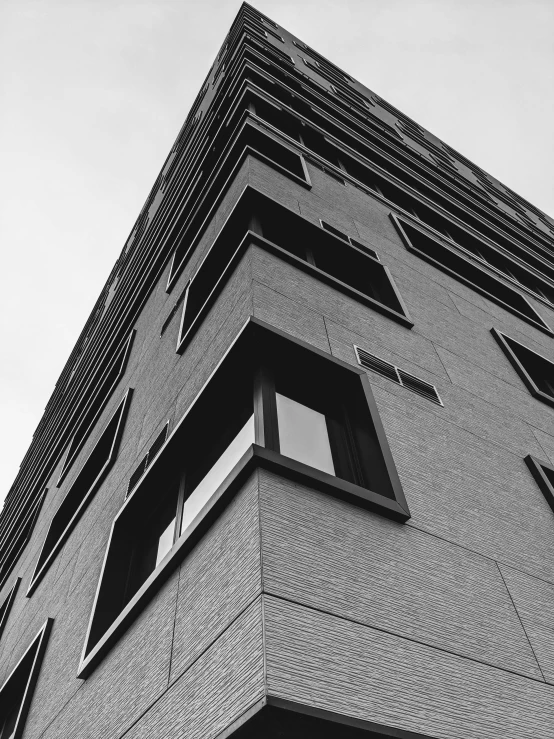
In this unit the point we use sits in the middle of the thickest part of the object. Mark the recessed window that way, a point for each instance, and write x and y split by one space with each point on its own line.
251 140
536 371
81 492
544 477
6 606
455 264
148 458
339 261
17 691
98 399
18 536
267 404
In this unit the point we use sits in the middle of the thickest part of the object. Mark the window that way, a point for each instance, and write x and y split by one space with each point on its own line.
268 404
148 458
17 691
79 495
544 477
251 140
349 239
455 264
536 371
6 606
17 538
99 398
342 263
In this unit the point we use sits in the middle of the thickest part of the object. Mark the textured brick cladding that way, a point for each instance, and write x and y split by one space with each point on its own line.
441 625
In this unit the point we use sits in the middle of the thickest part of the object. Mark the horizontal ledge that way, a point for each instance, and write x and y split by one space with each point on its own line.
254 458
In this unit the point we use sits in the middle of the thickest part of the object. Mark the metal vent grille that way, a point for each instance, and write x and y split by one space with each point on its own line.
376 364
147 459
416 385
397 375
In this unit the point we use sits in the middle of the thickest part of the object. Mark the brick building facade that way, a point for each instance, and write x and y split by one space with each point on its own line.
297 476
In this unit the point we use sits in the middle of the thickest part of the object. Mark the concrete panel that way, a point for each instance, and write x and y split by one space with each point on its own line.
534 601
218 579
333 664
226 680
289 316
466 490
335 557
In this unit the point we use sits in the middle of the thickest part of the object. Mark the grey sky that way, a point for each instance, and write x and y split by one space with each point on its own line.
93 93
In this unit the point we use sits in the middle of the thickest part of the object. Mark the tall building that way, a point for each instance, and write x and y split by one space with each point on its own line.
297 476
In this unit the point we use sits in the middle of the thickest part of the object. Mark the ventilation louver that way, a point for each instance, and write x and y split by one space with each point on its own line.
397 375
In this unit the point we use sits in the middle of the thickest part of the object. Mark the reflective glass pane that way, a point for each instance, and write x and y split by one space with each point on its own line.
219 471
165 542
303 434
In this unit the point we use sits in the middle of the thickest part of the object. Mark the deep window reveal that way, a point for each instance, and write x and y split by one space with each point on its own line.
267 404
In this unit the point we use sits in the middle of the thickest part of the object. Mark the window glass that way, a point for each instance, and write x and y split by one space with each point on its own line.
165 542
303 434
211 481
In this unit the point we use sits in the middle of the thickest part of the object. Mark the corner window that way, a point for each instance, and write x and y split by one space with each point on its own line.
79 495
544 477
536 371
268 404
17 691
464 270
344 264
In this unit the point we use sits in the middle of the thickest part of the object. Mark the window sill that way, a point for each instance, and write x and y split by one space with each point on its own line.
254 458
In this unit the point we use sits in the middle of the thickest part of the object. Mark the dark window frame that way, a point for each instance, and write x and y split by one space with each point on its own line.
470 267
6 606
80 437
77 503
231 159
20 538
253 239
504 342
546 485
188 325
263 453
39 644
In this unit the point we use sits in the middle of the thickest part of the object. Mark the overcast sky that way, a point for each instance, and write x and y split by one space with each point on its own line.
93 93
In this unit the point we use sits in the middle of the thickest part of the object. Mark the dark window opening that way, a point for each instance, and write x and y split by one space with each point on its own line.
101 396
463 270
19 538
267 404
6 606
342 264
319 144
17 691
536 371
81 492
348 239
148 458
544 477
250 139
